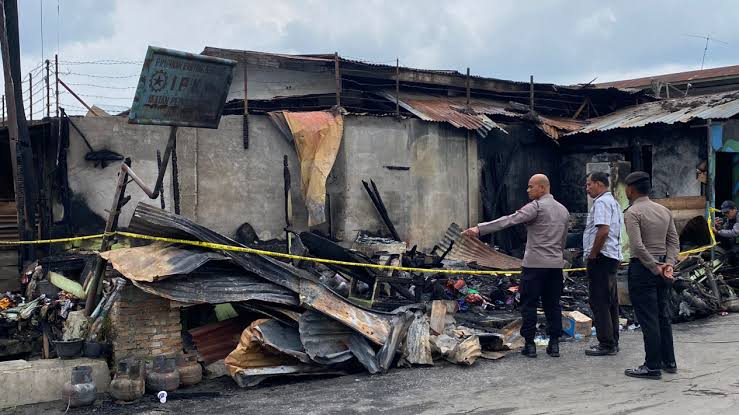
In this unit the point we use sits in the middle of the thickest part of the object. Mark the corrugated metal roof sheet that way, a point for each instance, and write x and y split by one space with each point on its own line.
705 74
159 260
211 285
444 109
716 106
470 249
150 220
454 111
215 341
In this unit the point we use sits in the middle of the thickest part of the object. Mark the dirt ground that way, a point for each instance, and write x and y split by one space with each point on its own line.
707 383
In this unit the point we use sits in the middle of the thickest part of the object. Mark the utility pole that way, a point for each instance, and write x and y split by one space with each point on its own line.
56 75
20 143
48 90
30 96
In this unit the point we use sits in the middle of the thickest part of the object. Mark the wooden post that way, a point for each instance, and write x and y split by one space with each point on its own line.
56 74
111 225
397 87
21 155
159 169
246 107
337 75
175 180
468 89
48 92
531 94
30 96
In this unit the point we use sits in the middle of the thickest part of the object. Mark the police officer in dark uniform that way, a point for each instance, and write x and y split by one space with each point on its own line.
654 246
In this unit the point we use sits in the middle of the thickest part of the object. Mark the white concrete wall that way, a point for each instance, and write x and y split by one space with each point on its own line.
223 185
422 201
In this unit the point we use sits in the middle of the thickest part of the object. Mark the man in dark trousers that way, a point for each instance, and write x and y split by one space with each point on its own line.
546 223
654 247
602 250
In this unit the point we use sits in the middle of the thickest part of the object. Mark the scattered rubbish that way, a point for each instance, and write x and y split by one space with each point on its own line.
492 355
162 396
541 340
417 345
575 322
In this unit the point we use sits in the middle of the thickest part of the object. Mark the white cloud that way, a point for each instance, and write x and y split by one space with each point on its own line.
562 41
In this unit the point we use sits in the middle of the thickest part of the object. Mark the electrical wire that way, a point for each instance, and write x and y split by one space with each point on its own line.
103 86
102 62
99 76
103 97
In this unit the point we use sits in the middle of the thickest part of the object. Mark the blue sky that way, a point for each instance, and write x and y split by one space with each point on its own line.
556 41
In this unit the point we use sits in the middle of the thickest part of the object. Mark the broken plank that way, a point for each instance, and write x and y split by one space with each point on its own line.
438 314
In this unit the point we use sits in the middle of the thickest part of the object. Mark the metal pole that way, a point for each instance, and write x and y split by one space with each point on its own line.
246 107
56 74
710 175
74 95
175 180
337 75
153 194
397 87
160 167
531 93
30 96
48 91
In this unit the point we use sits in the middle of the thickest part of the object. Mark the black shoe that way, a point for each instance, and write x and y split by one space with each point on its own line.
553 348
529 350
644 373
669 367
600 350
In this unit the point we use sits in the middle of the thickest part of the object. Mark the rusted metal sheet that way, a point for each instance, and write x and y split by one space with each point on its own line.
268 349
159 260
250 353
181 89
250 377
678 110
216 285
679 77
283 339
325 340
215 341
153 221
469 249
447 109
317 137
556 127
374 326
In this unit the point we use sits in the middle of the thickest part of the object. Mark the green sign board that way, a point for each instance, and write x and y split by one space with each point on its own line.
181 89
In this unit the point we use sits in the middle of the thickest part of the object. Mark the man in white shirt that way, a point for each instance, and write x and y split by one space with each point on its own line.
602 250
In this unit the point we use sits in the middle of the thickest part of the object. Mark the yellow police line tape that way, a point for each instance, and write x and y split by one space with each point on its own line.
224 247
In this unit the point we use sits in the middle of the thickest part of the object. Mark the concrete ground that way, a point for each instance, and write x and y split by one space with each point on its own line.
707 383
